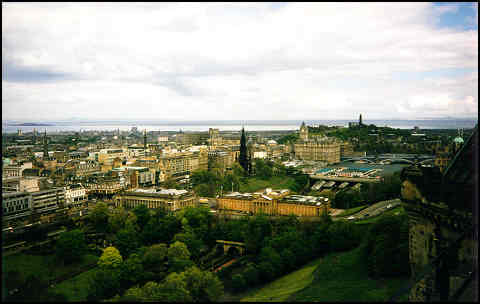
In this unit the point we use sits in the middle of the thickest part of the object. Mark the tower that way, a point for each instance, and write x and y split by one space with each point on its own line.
243 157
145 141
45 145
303 132
360 120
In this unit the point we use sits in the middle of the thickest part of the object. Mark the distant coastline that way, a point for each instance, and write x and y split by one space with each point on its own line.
228 125
32 124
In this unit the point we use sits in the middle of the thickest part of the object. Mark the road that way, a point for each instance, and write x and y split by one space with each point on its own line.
372 211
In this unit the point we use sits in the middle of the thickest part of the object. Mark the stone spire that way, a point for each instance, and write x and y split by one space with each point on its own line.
360 120
243 157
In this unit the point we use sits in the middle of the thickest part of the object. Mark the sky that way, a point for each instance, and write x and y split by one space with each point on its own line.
231 61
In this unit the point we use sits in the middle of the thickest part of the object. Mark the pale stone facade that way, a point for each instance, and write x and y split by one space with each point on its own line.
252 204
317 148
168 199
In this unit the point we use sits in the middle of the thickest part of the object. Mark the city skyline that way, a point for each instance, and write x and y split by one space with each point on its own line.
251 61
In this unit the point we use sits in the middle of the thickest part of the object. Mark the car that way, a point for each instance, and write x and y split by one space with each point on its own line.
389 206
366 214
350 218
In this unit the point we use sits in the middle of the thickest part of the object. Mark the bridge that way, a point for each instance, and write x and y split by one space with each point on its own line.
345 179
392 157
227 244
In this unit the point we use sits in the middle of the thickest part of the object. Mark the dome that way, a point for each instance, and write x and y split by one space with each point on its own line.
458 140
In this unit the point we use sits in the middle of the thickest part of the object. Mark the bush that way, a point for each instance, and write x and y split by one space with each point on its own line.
251 274
238 282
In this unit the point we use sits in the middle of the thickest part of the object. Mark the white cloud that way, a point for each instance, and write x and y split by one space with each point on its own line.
235 61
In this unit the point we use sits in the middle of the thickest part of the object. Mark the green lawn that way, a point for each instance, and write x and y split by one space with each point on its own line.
45 267
275 182
279 290
351 211
76 288
343 277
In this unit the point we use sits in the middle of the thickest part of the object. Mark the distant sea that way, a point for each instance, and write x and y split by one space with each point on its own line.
228 125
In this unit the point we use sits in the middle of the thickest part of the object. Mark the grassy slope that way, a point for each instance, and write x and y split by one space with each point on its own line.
344 277
281 289
275 182
46 267
76 288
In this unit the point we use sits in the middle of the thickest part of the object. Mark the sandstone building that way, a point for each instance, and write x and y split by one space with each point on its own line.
317 148
274 204
168 199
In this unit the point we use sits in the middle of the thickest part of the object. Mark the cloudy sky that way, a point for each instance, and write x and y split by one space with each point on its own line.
198 61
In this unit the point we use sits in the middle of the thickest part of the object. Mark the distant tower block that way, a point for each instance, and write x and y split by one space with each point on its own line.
360 120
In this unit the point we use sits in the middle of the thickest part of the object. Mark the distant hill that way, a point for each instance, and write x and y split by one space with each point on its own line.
31 124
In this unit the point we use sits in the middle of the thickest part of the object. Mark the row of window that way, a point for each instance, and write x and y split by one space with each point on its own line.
15 208
16 202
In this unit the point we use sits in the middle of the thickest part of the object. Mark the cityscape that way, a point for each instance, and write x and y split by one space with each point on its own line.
223 152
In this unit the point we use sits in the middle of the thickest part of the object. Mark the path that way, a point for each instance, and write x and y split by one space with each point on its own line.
225 265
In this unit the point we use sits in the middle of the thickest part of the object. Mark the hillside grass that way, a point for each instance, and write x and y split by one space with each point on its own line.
76 288
276 182
282 288
344 277
46 267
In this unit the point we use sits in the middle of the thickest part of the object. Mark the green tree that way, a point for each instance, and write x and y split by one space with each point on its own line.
238 282
161 229
110 258
155 256
204 190
104 284
267 271
263 169
258 228
204 286
143 215
131 271
126 241
178 283
99 217
251 274
178 250
268 254
71 246
238 170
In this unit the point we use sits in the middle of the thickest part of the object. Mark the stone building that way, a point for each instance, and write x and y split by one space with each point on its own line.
168 199
179 165
317 148
280 205
16 205
75 195
443 226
